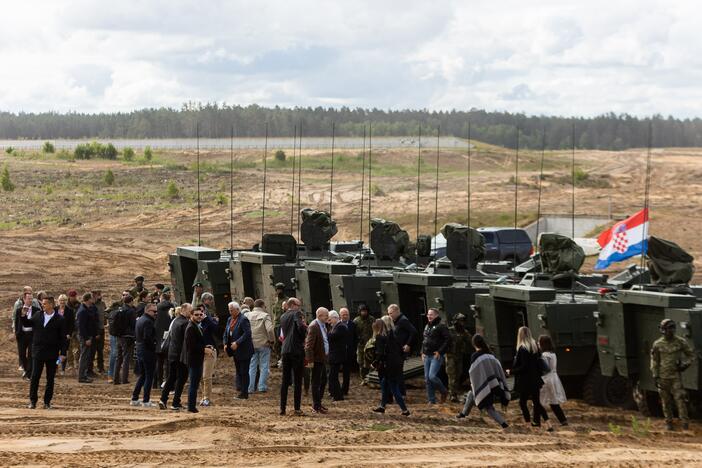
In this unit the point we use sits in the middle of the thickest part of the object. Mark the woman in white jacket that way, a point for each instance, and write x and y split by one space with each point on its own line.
552 393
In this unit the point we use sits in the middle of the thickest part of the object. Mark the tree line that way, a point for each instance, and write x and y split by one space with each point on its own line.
609 131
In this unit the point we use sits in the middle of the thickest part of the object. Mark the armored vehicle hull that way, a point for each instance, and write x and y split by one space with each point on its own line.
353 290
255 274
313 283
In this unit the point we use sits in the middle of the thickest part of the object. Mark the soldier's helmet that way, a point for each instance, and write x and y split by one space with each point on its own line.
458 317
667 323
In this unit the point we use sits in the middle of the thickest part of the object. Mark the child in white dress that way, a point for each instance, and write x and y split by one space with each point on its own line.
552 393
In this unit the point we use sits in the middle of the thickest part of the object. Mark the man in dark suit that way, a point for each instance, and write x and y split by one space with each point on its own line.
351 345
87 323
163 322
293 330
193 355
24 332
337 354
239 345
316 355
48 345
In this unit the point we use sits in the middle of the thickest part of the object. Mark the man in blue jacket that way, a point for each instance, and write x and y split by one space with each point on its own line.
145 336
87 324
239 345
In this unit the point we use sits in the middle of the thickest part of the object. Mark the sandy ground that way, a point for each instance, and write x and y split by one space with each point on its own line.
102 242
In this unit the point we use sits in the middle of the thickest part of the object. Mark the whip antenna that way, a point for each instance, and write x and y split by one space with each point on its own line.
231 191
647 185
331 178
363 182
572 211
265 167
292 190
470 234
370 189
516 200
299 193
197 138
419 172
538 203
436 191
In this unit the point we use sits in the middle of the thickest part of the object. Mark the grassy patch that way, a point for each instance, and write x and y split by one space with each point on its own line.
258 214
382 427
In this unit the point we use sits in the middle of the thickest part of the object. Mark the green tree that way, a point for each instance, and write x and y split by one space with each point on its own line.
109 151
128 154
83 151
109 177
172 190
280 155
48 147
148 154
5 181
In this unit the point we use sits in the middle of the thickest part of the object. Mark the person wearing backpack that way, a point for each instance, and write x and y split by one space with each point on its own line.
527 369
125 322
552 393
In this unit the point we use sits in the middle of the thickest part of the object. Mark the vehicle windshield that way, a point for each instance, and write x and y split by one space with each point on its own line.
510 236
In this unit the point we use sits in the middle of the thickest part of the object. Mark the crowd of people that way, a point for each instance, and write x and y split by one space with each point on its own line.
171 345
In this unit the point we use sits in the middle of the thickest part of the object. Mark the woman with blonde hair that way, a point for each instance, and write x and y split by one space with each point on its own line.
387 361
389 324
527 370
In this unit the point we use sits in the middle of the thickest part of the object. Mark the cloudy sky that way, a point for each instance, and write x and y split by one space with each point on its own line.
539 57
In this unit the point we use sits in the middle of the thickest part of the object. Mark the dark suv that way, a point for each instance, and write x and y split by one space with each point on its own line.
506 243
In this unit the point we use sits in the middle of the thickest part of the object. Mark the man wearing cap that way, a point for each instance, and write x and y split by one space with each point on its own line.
456 357
277 312
670 356
138 286
197 294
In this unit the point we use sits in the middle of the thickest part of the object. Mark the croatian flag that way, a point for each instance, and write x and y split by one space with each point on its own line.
623 240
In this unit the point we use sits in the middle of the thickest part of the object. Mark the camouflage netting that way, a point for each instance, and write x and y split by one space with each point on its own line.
668 262
388 240
317 228
560 254
457 244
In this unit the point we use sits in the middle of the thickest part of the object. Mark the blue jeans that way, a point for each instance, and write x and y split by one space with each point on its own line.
432 366
113 356
261 359
147 362
388 386
195 374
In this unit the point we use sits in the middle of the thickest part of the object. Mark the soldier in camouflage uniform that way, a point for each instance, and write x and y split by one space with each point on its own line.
364 332
277 310
138 286
670 355
456 358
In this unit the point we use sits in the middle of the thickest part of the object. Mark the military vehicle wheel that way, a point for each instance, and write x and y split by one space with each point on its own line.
618 393
647 401
593 392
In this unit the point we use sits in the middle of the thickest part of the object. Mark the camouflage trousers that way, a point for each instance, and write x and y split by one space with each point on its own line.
670 390
454 371
362 364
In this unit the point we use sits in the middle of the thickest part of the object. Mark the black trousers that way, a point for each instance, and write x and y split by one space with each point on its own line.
558 411
37 368
319 382
334 386
161 369
24 351
177 376
99 351
242 376
539 411
293 370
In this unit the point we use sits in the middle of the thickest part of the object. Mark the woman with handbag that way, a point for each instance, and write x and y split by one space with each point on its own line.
528 367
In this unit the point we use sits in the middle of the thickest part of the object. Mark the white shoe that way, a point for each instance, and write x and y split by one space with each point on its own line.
135 403
148 404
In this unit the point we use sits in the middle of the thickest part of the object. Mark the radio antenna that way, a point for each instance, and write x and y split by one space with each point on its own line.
265 168
538 203
572 209
436 191
197 138
470 233
363 183
292 191
370 187
419 172
231 192
299 194
331 182
647 186
516 198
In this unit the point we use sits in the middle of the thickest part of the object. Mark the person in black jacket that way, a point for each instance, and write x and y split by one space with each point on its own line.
293 330
388 363
238 344
87 324
434 346
48 345
177 371
526 370
337 353
193 355
405 335
163 322
24 334
125 341
145 336
351 345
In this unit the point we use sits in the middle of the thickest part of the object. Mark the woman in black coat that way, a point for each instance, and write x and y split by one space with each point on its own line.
388 363
527 371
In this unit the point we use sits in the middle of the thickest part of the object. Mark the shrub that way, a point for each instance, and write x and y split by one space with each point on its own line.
108 151
377 191
5 181
221 199
172 190
48 147
148 154
66 155
49 189
109 177
580 175
280 155
83 151
128 154
9 150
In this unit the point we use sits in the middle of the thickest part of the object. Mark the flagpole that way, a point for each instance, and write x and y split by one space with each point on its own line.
647 185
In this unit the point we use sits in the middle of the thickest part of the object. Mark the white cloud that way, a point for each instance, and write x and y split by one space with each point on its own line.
548 56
